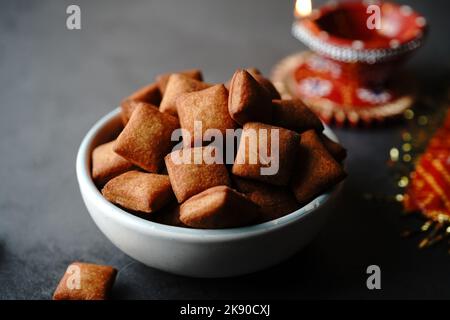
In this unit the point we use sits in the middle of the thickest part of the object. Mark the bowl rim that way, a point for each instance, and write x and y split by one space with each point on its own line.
89 189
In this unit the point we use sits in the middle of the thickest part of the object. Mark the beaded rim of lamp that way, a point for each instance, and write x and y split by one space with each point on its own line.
349 54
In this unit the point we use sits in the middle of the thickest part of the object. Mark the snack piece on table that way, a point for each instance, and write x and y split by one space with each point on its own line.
163 79
274 201
294 115
106 164
208 106
337 150
85 281
146 138
316 170
248 100
255 158
177 85
218 207
191 172
139 191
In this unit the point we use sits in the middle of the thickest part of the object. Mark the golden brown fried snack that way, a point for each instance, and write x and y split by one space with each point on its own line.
208 106
190 178
316 170
294 115
127 107
218 207
106 164
248 100
274 201
264 82
163 79
85 281
139 191
267 85
177 85
146 138
253 71
249 151
335 149
169 215
149 94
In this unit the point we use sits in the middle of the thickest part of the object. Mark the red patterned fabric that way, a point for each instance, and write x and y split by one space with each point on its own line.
429 190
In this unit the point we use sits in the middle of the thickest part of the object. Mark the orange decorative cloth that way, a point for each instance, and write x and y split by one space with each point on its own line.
429 189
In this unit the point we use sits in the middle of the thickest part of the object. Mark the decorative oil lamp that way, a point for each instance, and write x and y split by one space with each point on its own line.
350 75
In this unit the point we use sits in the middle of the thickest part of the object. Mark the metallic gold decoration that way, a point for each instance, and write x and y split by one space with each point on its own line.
406 136
409 114
403 182
406 147
422 120
419 133
394 154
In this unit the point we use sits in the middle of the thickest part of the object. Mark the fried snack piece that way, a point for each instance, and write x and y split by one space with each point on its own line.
194 175
294 115
316 170
248 100
177 85
274 201
145 140
264 82
335 149
85 281
250 158
126 109
139 191
218 207
254 71
149 94
163 79
169 215
106 164
208 106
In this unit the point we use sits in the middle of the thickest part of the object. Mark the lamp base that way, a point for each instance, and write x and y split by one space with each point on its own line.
337 98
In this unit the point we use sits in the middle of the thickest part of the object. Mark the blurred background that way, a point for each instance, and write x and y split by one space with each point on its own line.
56 83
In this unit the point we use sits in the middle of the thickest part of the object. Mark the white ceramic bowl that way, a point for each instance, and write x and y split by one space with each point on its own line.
195 252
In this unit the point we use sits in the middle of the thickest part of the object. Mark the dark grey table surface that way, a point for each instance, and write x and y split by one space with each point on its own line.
55 83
